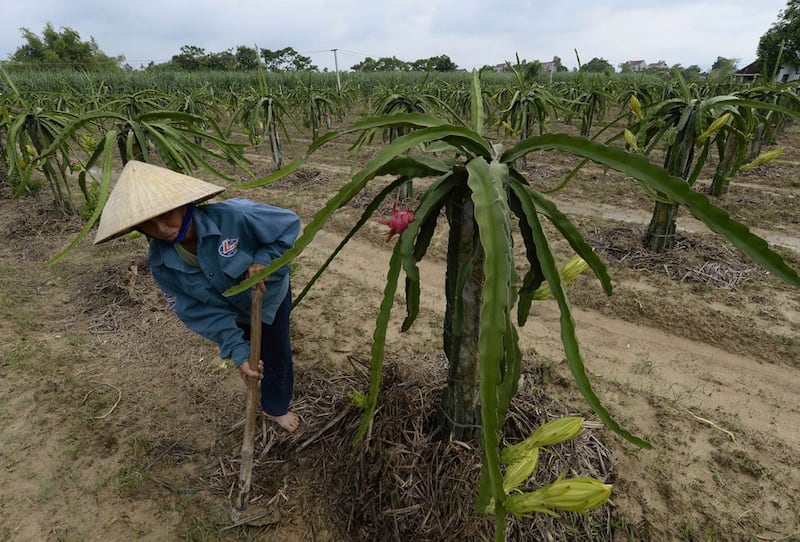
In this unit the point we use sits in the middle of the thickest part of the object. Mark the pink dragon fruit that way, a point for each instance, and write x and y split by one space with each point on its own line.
398 223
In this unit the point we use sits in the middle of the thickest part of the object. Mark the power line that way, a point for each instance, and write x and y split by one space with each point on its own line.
356 53
314 52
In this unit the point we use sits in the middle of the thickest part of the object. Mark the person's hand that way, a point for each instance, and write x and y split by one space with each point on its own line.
246 372
254 269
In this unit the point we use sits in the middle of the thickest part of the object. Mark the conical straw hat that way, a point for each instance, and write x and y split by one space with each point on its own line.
145 191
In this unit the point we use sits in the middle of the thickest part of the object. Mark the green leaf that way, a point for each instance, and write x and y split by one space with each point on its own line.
368 212
476 102
533 277
675 188
425 218
413 167
15 149
379 343
460 137
413 120
568 337
321 140
511 368
569 231
429 129
493 218
698 167
751 104
288 169
102 195
154 116
72 128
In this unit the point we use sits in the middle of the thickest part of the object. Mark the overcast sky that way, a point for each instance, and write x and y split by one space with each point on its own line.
472 33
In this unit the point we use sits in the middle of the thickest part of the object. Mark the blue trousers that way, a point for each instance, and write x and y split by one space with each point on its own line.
276 353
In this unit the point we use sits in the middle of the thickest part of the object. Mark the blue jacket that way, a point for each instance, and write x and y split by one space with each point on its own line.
231 235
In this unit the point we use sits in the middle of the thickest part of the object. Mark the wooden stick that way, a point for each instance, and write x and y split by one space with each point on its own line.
248 444
712 424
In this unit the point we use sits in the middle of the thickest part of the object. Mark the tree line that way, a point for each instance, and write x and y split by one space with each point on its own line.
242 58
65 49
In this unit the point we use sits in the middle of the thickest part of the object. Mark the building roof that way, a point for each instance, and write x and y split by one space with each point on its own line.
751 69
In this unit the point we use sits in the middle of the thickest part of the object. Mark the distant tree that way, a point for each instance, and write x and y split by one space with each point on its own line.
63 49
443 63
246 58
190 58
723 67
392 64
532 70
194 58
366 65
723 63
625 67
224 61
420 65
692 73
383 64
435 63
782 39
597 65
286 59
559 66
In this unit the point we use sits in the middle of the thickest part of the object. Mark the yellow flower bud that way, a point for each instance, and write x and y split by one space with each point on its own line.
552 432
715 127
565 494
630 139
568 272
636 107
518 472
558 430
763 158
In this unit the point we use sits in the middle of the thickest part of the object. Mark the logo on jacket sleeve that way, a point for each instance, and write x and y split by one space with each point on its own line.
227 247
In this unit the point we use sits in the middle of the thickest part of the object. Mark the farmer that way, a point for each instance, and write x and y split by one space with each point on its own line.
199 251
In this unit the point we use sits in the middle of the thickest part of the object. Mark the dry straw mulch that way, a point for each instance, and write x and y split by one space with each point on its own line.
403 482
692 260
302 179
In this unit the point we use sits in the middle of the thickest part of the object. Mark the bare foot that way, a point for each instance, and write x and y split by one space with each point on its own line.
289 421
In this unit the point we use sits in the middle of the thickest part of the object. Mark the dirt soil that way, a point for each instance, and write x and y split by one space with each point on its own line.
117 423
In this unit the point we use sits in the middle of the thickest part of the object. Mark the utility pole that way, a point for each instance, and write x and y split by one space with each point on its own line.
336 65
